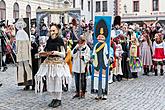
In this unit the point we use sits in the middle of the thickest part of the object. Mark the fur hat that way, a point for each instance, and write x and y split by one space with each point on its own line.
101 28
117 21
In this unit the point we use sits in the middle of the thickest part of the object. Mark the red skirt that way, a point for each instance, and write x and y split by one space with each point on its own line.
159 54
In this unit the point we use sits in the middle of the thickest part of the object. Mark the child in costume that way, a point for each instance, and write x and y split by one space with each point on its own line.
146 53
118 53
158 53
135 63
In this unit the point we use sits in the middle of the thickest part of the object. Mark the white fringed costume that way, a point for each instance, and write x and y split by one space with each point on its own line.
55 71
54 68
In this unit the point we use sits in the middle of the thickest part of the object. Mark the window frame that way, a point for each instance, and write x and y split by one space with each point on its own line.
137 7
153 8
104 9
28 12
16 10
99 6
2 10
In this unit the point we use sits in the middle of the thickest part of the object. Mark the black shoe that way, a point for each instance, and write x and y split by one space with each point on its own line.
145 71
118 78
52 102
104 97
161 72
26 88
76 96
98 98
33 87
56 103
4 69
0 84
65 89
156 72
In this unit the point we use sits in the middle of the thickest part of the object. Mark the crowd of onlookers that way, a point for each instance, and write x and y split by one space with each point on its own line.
134 43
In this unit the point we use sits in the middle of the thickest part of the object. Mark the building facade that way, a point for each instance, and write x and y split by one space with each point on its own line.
12 9
92 8
141 10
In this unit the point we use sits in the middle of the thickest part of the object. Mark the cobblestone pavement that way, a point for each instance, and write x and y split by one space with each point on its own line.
144 93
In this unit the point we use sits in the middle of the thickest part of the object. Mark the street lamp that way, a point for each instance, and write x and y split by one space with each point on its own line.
125 8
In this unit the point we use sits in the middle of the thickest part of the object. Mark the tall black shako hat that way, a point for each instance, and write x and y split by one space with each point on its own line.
117 21
2 23
101 28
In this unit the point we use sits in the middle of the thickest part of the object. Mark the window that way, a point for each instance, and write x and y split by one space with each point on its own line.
155 5
74 3
98 6
2 10
16 11
104 6
82 6
136 6
89 5
28 11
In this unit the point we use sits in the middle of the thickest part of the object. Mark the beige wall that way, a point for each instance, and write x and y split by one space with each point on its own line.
22 7
145 9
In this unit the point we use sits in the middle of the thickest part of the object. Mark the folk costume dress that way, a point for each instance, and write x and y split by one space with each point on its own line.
158 56
118 53
54 68
135 63
159 51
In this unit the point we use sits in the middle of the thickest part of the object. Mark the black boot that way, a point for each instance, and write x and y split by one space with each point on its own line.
52 102
145 71
161 72
56 103
26 88
134 75
4 69
0 84
156 72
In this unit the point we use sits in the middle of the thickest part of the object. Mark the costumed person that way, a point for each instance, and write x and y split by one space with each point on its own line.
116 31
158 53
125 59
113 65
135 63
81 56
146 55
34 51
54 67
74 34
118 53
3 47
23 55
68 60
101 61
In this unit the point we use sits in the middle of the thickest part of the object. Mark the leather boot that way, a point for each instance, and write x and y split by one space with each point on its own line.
161 72
156 72
56 103
145 71
76 96
52 102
